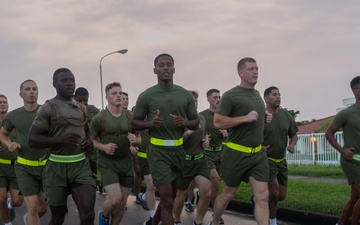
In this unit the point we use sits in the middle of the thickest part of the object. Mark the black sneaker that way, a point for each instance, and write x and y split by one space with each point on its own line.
148 222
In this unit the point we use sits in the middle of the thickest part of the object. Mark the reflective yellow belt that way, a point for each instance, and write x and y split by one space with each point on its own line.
214 149
356 157
142 155
7 161
31 162
244 149
161 142
276 160
67 158
194 157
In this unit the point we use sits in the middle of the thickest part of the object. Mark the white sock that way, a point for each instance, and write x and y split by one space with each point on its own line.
273 221
152 213
9 223
143 196
9 205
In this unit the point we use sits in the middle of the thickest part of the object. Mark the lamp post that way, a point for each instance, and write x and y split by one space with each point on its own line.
122 51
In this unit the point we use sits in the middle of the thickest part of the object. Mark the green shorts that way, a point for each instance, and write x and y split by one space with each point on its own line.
214 159
278 170
238 166
8 177
116 171
193 168
29 179
351 169
60 178
165 164
144 166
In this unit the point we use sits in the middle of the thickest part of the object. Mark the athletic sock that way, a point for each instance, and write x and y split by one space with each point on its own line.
152 213
273 221
143 196
9 205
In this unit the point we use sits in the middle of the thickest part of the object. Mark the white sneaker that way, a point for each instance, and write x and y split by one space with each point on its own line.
25 219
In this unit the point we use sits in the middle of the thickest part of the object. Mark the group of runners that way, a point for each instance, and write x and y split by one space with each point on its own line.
51 151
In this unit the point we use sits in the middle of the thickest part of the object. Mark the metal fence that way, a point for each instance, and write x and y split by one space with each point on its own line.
314 149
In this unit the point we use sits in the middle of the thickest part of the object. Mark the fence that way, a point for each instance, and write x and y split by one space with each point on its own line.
314 149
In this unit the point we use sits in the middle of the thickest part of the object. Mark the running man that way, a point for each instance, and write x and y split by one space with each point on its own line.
169 109
61 125
30 160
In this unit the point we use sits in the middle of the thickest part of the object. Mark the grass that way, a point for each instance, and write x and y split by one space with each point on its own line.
316 197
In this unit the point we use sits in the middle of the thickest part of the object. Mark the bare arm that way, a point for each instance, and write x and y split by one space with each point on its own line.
292 143
226 122
5 140
330 136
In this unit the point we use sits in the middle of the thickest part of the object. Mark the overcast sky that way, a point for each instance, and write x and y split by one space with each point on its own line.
308 49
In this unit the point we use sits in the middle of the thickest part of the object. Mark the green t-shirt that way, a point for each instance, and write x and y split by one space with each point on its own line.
216 137
4 151
349 120
169 100
277 132
240 101
193 143
110 129
70 118
91 112
20 119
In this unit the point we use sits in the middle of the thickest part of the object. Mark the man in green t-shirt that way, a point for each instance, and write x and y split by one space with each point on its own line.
61 126
30 161
213 153
277 134
242 111
8 180
113 139
348 120
168 108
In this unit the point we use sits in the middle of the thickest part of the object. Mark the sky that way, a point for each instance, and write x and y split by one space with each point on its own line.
308 49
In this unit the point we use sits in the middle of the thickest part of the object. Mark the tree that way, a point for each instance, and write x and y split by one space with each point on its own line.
293 113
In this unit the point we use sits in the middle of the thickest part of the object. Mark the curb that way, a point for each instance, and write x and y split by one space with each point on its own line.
286 214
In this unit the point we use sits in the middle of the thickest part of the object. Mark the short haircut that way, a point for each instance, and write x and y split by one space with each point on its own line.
355 82
163 54
58 72
124 93
268 90
209 92
3 96
22 84
243 61
81 91
194 93
111 85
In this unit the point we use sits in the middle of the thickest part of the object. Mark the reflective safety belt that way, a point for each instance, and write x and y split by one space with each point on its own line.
161 142
67 158
276 160
194 157
7 161
244 149
356 157
142 155
214 149
31 162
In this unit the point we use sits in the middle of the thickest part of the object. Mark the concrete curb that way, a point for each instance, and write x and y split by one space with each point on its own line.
286 214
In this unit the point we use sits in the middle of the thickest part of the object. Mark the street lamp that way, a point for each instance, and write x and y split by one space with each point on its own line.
122 51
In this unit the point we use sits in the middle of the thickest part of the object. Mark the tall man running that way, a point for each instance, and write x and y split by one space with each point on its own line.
168 108
30 160
111 129
8 180
281 131
61 125
242 111
349 120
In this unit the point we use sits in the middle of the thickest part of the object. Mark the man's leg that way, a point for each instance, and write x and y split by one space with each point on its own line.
179 203
273 197
36 207
4 212
204 186
119 212
165 207
84 198
215 184
222 201
57 214
260 190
